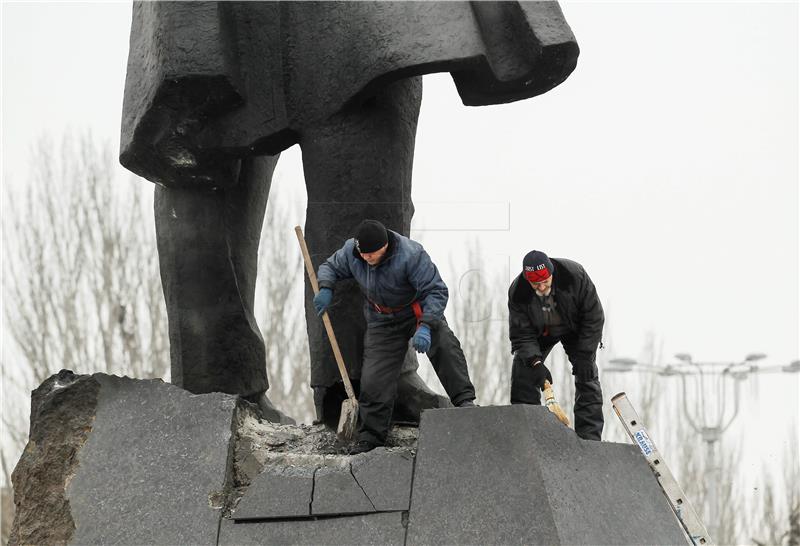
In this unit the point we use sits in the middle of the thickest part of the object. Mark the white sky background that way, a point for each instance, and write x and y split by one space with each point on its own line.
667 164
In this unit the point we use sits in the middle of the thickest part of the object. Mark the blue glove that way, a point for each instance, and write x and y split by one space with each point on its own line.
323 300
422 339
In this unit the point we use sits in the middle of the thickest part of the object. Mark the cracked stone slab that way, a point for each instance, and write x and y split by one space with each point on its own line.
386 528
153 469
604 493
476 481
385 476
336 491
278 492
515 475
286 486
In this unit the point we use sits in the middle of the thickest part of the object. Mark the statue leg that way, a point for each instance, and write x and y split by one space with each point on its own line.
358 165
208 253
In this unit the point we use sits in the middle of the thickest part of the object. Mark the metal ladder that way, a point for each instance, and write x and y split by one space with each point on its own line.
669 485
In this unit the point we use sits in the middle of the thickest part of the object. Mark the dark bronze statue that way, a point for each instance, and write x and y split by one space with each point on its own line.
216 90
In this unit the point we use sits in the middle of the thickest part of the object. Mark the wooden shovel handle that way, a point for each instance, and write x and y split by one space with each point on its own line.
312 276
553 405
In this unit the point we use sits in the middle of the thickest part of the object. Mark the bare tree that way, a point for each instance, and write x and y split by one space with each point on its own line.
279 309
691 468
777 518
82 289
6 501
641 388
478 308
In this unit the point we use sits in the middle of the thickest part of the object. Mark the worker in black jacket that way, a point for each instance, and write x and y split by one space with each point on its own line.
554 300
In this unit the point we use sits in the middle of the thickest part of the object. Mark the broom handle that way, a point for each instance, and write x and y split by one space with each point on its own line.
312 276
549 399
548 392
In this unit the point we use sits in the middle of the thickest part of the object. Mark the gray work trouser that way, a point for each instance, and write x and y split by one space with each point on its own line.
385 346
588 394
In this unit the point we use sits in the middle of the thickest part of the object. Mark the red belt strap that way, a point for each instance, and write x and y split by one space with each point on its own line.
417 311
415 306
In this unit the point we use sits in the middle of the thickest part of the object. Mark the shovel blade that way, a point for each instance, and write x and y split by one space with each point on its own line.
348 419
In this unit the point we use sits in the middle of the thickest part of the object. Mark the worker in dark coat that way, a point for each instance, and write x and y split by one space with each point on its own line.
551 301
404 298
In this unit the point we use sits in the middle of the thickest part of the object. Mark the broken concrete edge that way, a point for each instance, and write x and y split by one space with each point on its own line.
315 463
237 479
262 446
228 485
264 439
54 426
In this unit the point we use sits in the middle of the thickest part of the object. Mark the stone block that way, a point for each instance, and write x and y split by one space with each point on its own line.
385 477
386 528
154 466
605 493
475 481
336 491
515 475
278 492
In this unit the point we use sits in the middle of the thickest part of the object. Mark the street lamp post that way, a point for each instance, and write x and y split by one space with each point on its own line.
709 425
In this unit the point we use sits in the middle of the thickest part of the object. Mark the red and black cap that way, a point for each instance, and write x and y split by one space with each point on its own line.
536 266
370 236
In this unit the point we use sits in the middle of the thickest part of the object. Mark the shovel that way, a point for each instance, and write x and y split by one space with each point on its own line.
349 415
552 404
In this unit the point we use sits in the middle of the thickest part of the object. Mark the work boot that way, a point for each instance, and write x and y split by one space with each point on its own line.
361 446
467 404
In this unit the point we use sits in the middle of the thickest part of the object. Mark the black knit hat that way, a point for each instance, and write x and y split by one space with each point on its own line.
370 236
536 266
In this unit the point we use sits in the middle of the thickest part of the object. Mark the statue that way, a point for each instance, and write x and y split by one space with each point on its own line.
216 90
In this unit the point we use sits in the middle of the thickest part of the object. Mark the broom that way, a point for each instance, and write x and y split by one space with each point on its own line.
348 417
552 404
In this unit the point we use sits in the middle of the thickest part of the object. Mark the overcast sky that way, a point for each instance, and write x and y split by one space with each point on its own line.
667 163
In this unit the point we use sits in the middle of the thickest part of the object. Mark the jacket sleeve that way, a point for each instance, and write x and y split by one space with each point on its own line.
591 316
181 72
337 267
524 341
432 293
